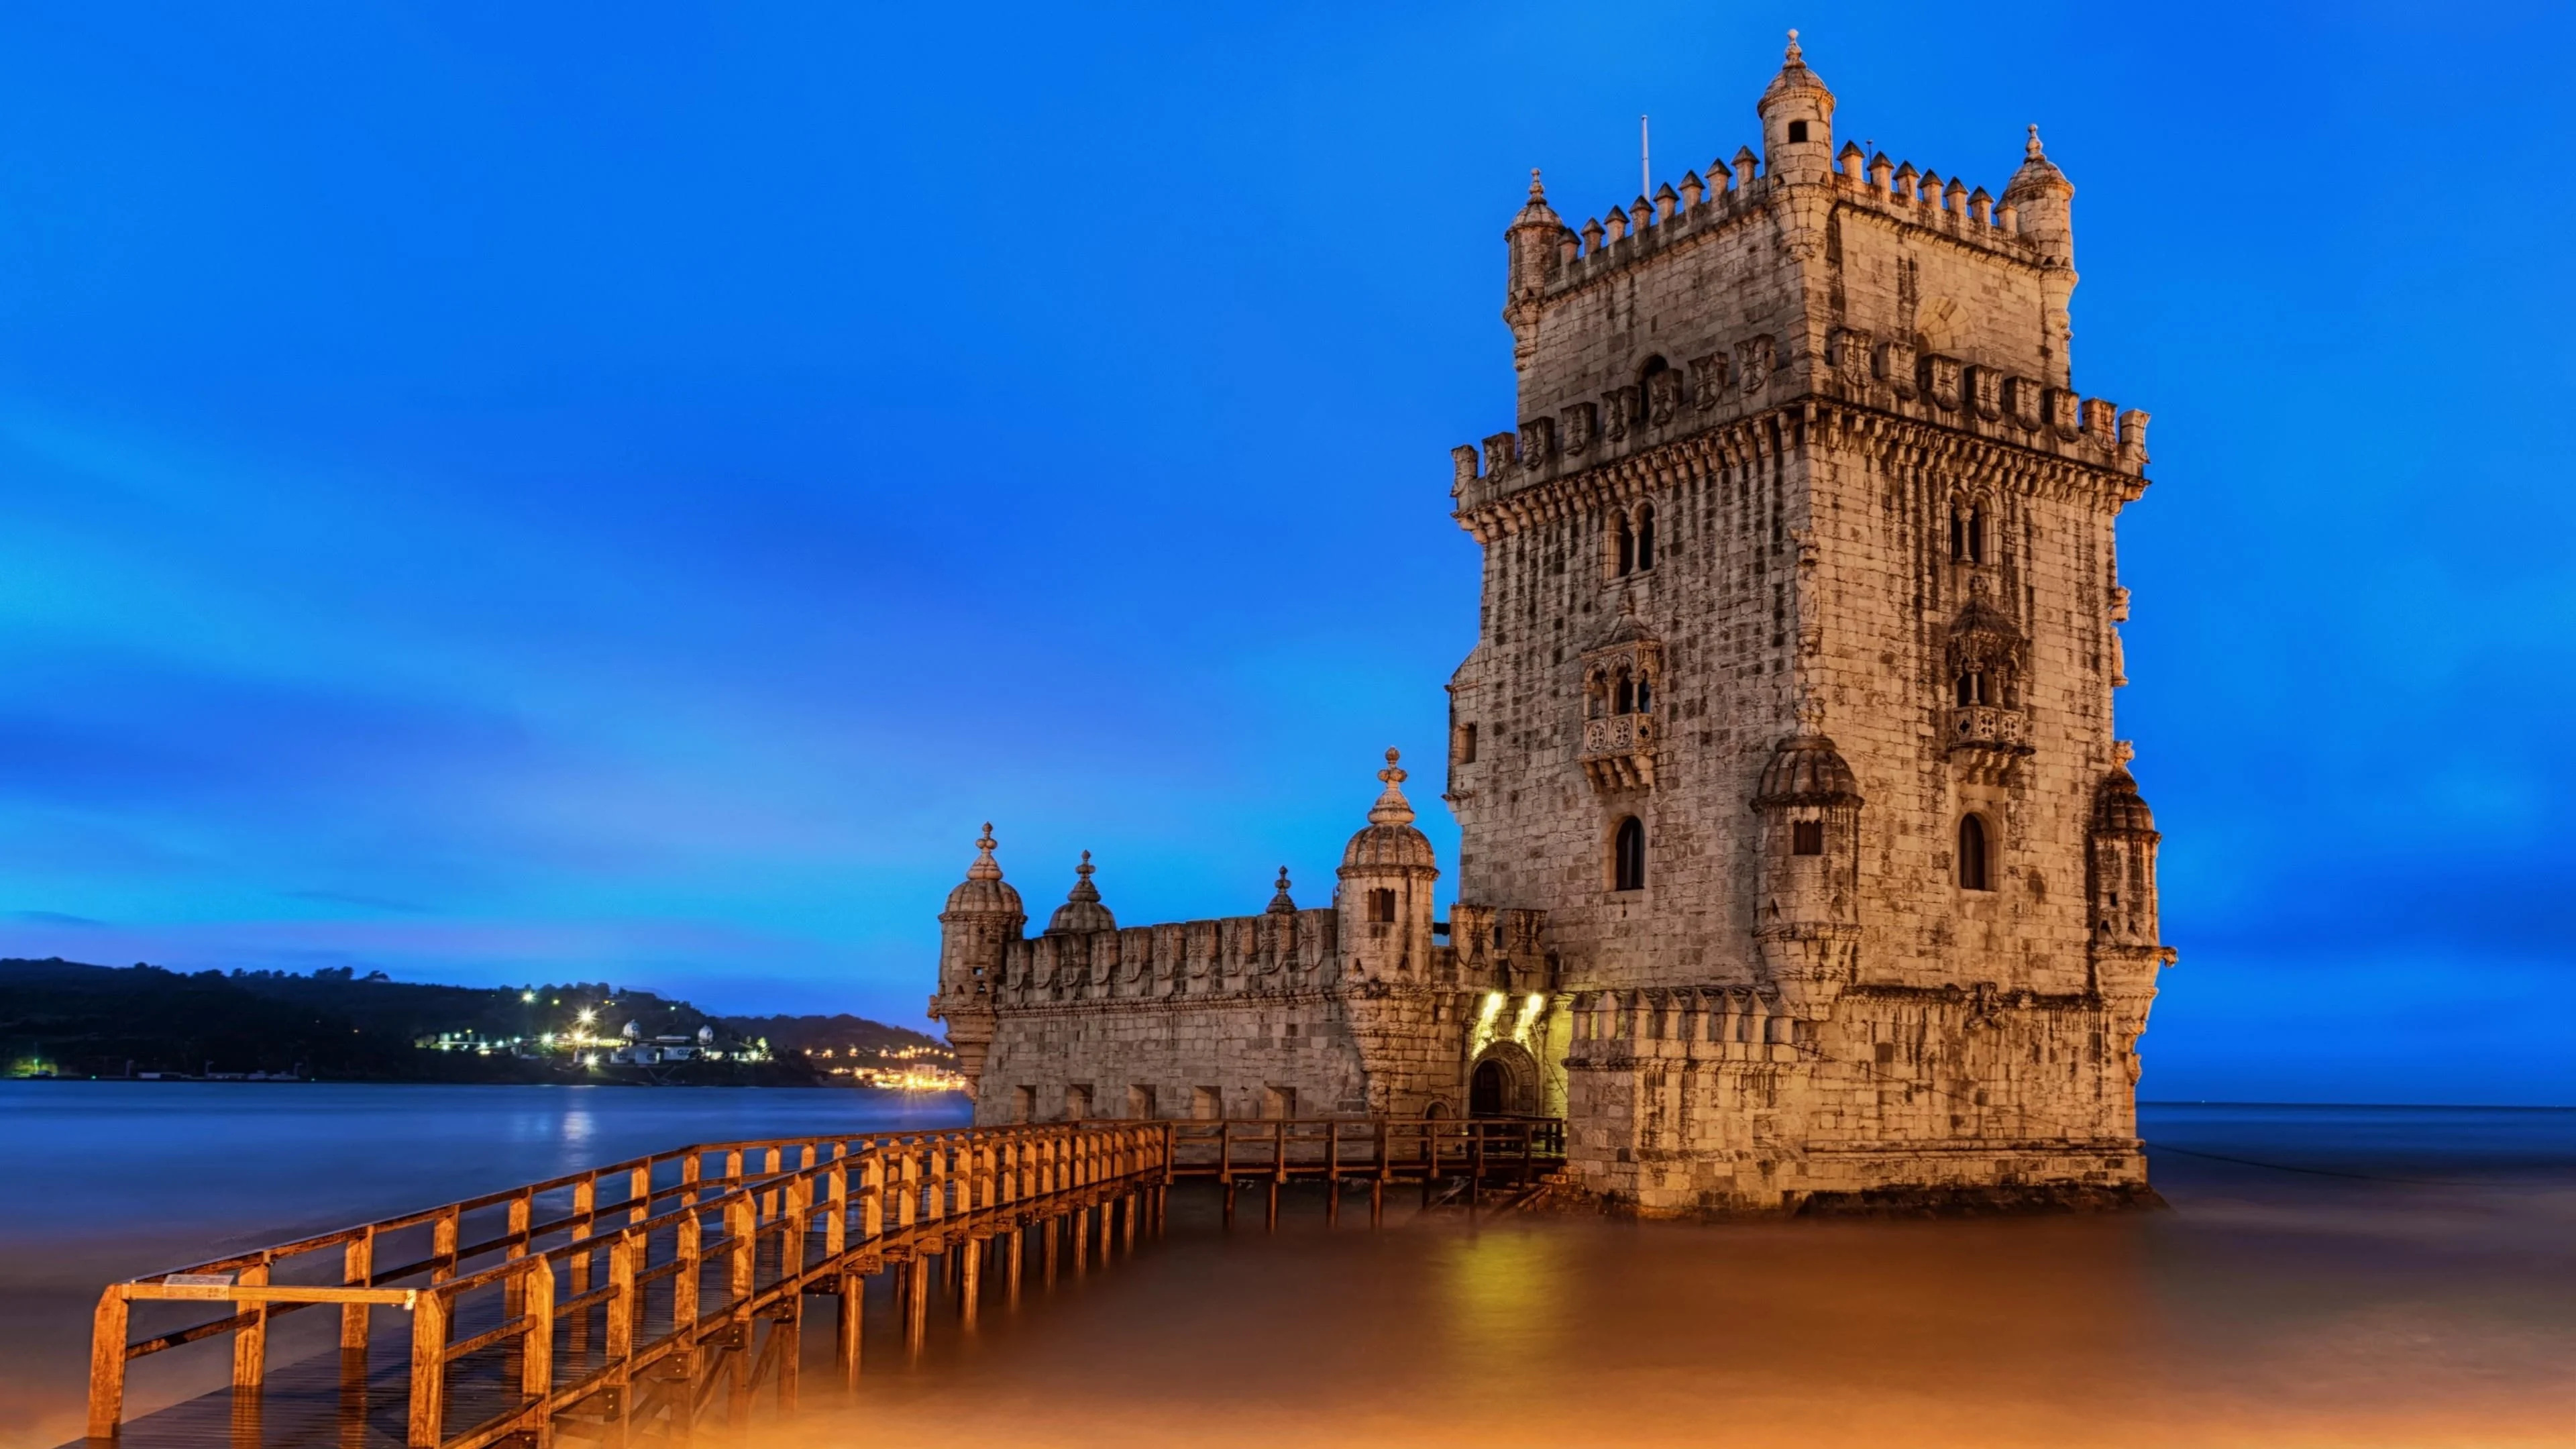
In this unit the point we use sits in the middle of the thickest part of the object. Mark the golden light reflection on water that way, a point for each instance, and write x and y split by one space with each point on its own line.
2151 1329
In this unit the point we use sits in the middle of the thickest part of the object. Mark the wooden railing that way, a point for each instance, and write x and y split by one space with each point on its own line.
614 1290
1471 1155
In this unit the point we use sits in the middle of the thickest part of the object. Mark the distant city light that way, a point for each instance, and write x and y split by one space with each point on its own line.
527 996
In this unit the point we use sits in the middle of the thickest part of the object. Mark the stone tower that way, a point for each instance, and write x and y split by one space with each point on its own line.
1791 705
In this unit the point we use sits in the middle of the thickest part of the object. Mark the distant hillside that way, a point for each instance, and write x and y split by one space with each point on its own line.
844 1036
81 1020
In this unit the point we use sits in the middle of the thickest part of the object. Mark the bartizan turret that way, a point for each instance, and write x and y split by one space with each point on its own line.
2121 892
983 917
1807 925
1387 877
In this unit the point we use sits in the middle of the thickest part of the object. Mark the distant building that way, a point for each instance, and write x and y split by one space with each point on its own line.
1798 857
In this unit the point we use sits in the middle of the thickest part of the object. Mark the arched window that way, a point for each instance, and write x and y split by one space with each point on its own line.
1624 696
1628 856
1645 537
1807 837
1972 854
1967 534
1972 688
1381 905
1645 696
1627 547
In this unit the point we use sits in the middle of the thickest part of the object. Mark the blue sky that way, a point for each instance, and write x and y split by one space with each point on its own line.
501 492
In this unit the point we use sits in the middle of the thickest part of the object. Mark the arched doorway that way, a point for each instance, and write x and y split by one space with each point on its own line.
1503 1082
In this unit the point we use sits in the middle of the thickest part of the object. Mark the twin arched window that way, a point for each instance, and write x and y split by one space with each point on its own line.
1636 540
1967 533
1973 688
1628 856
1975 857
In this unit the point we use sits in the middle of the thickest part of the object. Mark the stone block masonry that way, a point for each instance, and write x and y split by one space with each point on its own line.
1800 864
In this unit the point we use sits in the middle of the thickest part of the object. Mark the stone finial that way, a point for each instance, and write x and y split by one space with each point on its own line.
1794 55
985 866
1811 716
2030 149
1392 808
1282 904
1083 889
1537 192
2122 751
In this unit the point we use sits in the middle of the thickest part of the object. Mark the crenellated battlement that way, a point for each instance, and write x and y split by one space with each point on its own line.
1273 953
1674 217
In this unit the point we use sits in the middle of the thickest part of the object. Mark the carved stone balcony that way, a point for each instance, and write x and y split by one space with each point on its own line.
1619 752
1986 739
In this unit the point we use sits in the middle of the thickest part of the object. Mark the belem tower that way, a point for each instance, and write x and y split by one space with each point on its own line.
1799 864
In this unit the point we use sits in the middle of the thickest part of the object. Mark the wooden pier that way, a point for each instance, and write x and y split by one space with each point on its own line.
645 1298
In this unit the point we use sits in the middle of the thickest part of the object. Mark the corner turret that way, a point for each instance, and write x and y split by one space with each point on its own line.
1807 902
1387 876
1797 122
1532 242
2042 203
982 918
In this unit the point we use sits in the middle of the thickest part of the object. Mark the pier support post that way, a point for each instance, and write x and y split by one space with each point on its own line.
970 1280
1011 1242
107 1332
916 1315
854 1298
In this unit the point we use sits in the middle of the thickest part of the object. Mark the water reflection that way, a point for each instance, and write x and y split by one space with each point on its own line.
2345 1302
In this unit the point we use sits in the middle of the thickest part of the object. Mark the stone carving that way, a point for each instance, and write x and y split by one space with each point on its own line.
1941 380
1986 392
1753 360
1896 367
1582 425
1618 409
1851 357
1663 395
1537 442
1708 381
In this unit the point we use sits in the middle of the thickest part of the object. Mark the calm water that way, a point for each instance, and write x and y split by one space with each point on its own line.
2360 1276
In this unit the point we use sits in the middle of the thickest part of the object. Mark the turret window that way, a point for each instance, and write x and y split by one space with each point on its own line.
1797 131
1807 837
1381 905
1628 856
1974 853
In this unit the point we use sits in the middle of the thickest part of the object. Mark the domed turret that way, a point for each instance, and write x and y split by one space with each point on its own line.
982 919
1807 903
2043 204
2122 858
1082 910
1797 121
984 892
2118 808
1807 770
1387 876
1390 839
